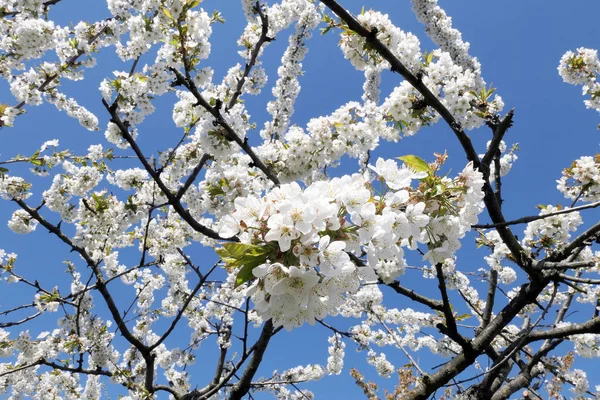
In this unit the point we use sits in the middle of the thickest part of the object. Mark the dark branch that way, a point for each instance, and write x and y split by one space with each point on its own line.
240 389
264 19
499 131
431 100
173 201
525 220
230 133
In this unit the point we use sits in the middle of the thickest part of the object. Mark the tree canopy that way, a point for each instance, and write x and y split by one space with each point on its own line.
210 221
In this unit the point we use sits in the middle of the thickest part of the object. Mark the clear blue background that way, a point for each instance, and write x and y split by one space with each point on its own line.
518 43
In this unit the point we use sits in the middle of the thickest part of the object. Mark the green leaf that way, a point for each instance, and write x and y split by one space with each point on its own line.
462 317
246 257
217 17
328 28
415 163
101 202
167 13
245 274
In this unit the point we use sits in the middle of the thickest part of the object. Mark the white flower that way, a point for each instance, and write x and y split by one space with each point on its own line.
396 178
297 283
301 213
281 229
21 222
331 256
366 220
49 143
228 226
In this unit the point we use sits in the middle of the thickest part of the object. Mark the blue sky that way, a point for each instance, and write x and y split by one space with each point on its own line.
518 43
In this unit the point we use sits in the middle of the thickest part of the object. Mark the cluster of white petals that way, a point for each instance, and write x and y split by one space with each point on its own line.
551 232
582 68
335 361
287 87
295 244
304 268
581 181
405 46
438 26
500 253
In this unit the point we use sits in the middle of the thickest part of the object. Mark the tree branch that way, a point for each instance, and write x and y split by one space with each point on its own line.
489 303
590 326
101 286
499 131
173 201
70 62
492 205
264 19
525 220
242 387
450 328
182 310
230 133
411 294
430 383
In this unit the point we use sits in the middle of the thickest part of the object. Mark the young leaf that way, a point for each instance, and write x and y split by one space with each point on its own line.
415 163
244 275
246 257
167 13
462 317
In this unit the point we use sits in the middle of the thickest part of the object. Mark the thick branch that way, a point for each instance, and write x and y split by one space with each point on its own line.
499 131
450 328
429 384
173 201
396 66
515 346
433 304
591 326
548 265
244 384
580 241
190 180
489 303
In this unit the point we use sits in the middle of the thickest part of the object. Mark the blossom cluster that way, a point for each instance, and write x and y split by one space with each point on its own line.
551 232
500 253
354 129
581 181
582 68
310 247
28 36
287 86
405 46
439 28
300 239
335 361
